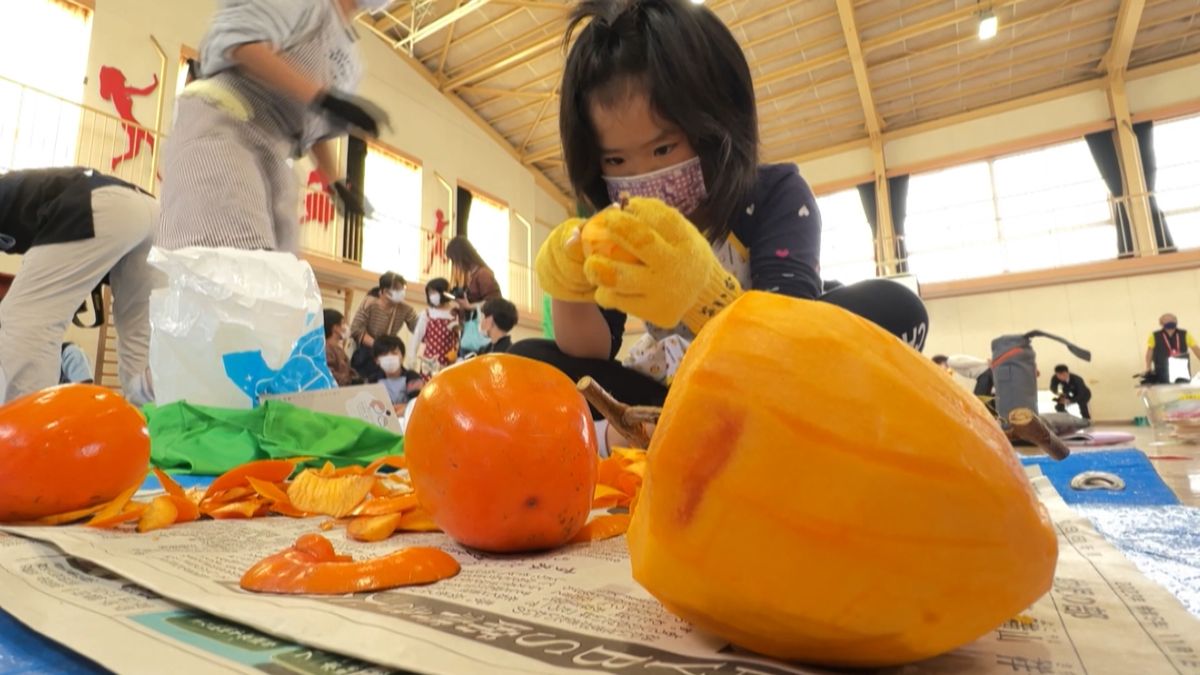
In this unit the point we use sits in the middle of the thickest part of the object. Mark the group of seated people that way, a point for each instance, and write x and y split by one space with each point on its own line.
369 349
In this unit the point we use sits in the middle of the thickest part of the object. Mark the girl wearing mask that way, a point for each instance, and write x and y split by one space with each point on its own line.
377 317
276 84
434 343
658 105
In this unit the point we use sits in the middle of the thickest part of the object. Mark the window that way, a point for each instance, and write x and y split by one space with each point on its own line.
1177 187
950 226
847 246
1053 208
1036 210
488 230
391 240
40 94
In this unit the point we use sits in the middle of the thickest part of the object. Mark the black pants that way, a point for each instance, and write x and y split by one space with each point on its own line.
1083 408
888 304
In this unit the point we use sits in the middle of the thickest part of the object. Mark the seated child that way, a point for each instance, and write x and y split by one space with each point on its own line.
499 318
336 331
401 384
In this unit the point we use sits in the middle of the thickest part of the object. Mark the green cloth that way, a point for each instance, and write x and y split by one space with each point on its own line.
195 439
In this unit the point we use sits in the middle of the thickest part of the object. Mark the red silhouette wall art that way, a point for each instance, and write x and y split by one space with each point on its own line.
318 200
115 88
438 237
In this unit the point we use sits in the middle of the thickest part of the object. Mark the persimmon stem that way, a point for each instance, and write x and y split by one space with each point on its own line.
1027 426
630 421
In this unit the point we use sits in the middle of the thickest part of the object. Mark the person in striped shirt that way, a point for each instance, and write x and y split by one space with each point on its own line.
275 83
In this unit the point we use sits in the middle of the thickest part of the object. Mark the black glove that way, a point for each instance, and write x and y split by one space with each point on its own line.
351 112
352 203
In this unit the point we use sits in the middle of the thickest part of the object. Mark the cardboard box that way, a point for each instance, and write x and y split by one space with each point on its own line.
368 402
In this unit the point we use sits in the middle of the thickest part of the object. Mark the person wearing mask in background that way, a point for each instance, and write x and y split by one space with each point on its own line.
435 341
499 318
1073 390
1167 351
275 83
336 333
74 227
376 318
401 384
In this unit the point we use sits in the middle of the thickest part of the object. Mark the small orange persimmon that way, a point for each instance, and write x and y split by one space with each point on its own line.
502 454
68 448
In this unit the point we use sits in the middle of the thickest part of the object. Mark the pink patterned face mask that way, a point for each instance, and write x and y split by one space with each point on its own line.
680 186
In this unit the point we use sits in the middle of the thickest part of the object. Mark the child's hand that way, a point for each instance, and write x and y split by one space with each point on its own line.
680 279
559 264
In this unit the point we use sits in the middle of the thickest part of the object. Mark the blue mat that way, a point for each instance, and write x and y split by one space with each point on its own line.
25 652
1143 486
185 481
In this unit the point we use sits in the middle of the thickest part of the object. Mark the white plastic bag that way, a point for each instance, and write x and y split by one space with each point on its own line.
234 324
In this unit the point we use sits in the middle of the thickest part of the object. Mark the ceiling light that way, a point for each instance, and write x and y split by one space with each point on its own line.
988 25
697 2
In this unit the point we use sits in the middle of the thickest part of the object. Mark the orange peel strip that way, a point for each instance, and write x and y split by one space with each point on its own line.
161 513
373 528
273 470
312 567
114 508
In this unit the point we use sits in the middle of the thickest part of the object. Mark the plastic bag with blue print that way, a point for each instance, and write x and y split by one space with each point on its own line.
232 325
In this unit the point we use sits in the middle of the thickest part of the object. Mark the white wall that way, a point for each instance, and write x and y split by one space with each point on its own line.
1111 317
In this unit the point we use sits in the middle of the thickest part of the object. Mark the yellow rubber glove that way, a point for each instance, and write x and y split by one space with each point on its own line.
680 278
559 264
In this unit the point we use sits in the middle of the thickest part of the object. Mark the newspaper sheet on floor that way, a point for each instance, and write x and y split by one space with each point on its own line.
577 610
129 629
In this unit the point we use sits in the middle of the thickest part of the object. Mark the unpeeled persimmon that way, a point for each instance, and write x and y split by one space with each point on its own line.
502 454
67 448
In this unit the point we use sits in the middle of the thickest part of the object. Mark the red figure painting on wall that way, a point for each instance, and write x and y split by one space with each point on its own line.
438 237
318 200
115 89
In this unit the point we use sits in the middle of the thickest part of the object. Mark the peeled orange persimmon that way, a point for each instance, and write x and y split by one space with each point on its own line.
502 454
596 239
67 448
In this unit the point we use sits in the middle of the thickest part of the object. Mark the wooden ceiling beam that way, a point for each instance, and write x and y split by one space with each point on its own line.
542 155
808 66
835 38
990 67
521 109
972 37
441 23
909 8
929 25
773 120
441 67
502 65
549 136
785 29
492 23
500 94
1129 15
535 4
806 89
966 93
1000 65
859 66
520 90
499 52
536 121
817 133
998 48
